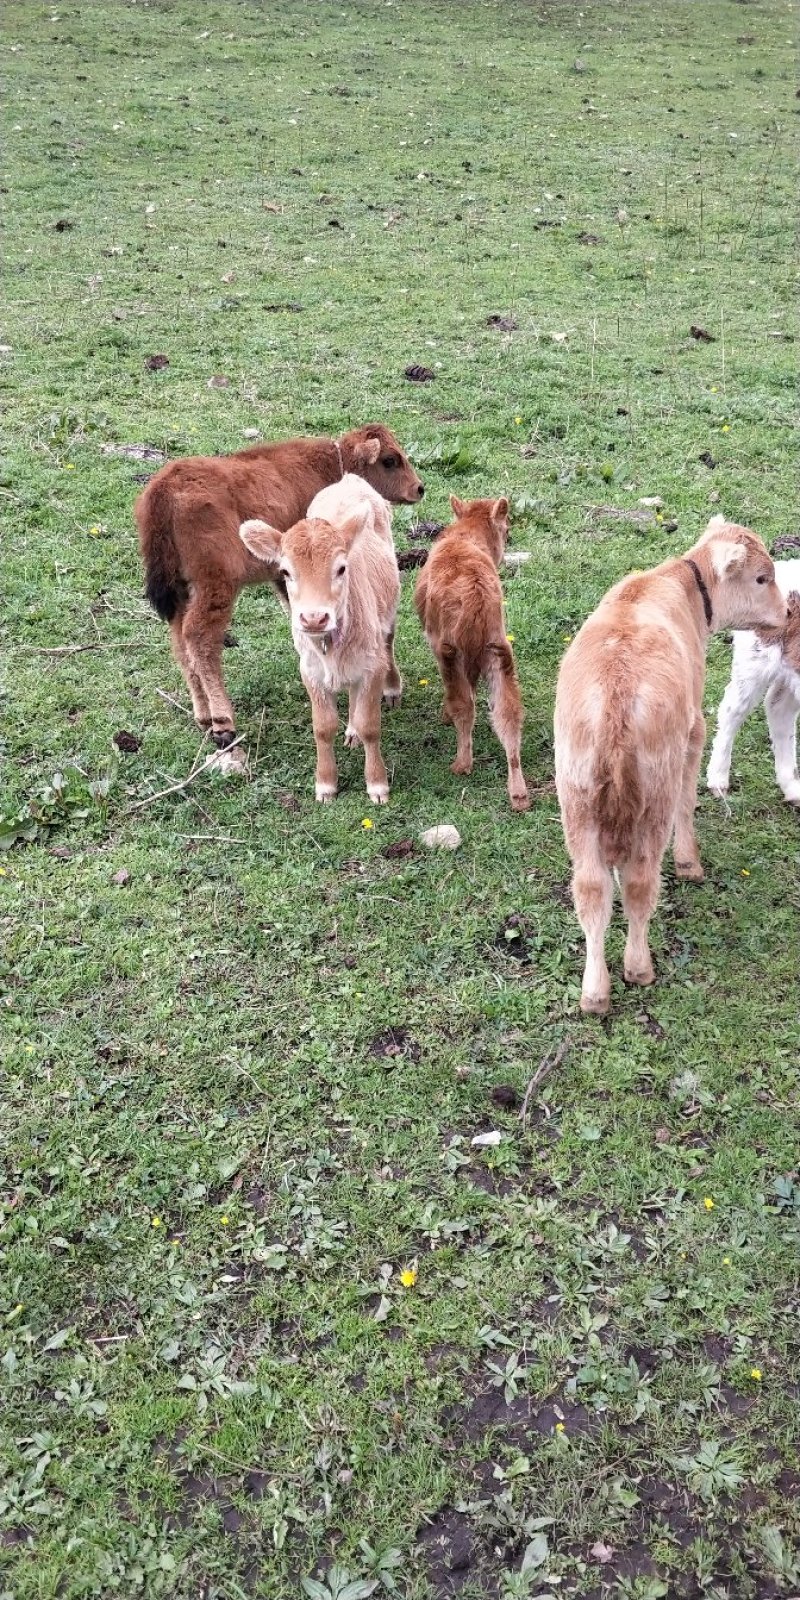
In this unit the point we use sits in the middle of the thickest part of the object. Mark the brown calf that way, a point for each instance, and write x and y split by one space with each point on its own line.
343 587
195 562
460 605
629 732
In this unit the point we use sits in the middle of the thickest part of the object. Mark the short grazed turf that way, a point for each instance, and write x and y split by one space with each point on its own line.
245 1049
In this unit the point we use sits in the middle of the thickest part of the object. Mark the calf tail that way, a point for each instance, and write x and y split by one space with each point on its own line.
165 586
498 658
618 802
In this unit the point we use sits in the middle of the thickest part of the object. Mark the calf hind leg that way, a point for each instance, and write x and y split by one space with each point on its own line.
458 708
782 707
593 893
393 687
202 715
687 855
640 881
505 710
204 624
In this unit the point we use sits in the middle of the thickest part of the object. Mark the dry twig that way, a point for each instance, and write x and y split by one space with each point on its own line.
544 1068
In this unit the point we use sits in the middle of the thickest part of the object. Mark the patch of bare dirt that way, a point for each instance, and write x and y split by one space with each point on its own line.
156 363
407 559
504 324
127 742
393 1042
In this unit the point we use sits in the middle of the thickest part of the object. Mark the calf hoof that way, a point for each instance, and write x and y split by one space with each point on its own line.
351 738
792 794
520 802
461 768
392 698
691 870
325 793
643 978
224 738
595 1005
720 789
378 793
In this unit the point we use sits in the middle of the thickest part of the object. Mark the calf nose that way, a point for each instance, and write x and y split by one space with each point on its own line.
315 621
420 490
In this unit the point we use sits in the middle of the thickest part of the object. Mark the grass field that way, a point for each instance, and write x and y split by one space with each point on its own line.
245 1049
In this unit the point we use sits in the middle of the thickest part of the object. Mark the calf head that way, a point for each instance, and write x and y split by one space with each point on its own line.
486 520
374 453
743 590
311 560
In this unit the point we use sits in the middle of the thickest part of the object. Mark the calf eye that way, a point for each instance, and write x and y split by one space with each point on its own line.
285 574
762 579
389 462
341 570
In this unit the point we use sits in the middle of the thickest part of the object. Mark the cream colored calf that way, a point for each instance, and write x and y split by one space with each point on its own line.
629 732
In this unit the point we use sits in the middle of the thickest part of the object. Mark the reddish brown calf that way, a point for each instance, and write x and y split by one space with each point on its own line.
196 564
460 605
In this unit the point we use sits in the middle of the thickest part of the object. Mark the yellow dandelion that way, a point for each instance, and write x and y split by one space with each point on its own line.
3 873
518 420
708 1203
510 638
69 466
367 823
567 638
423 683
408 1277
29 1048
174 1241
755 1373
745 873
714 389
726 1261
225 1221
95 528
155 1222
726 428
561 1427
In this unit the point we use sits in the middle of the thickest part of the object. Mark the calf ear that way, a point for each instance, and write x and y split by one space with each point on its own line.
500 510
366 453
459 506
352 526
727 558
262 541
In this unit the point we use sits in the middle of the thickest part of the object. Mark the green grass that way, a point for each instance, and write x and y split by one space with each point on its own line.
214 1381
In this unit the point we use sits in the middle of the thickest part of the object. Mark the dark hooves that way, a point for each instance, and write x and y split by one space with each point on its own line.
222 740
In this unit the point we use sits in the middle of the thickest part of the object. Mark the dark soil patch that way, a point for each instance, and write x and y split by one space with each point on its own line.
649 1025
399 850
512 938
707 460
394 1042
506 1096
127 742
19 1535
418 374
589 238
156 363
505 324
411 558
424 530
448 1551
283 305
230 641
63 225
702 334
789 541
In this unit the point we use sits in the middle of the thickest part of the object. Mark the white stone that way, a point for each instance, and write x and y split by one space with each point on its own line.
445 837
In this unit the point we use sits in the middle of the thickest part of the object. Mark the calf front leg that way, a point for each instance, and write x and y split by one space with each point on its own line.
740 698
366 719
687 856
325 720
782 707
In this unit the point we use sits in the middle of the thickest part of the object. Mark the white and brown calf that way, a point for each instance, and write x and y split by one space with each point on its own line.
766 666
343 587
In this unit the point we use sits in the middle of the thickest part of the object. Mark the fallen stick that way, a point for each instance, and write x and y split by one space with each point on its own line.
175 787
77 649
545 1067
173 702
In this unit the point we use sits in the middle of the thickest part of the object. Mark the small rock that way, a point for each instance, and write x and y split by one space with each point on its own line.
653 500
516 558
229 763
218 382
487 1141
601 1552
251 433
579 65
444 837
121 878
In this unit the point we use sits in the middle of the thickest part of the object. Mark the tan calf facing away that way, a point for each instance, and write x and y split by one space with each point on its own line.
459 601
343 587
629 732
195 563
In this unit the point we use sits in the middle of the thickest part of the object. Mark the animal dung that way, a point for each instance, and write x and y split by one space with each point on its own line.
444 837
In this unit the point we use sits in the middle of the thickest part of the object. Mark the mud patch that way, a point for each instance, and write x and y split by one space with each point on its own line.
504 324
127 742
411 558
399 850
424 530
156 363
448 1552
512 939
394 1042
702 334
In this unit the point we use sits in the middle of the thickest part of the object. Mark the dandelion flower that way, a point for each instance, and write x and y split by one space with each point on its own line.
423 683
561 1427
155 1222
408 1277
726 427
708 1203
367 823
567 638
518 420
714 388
3 873
745 873
69 466
755 1373
510 638
225 1221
